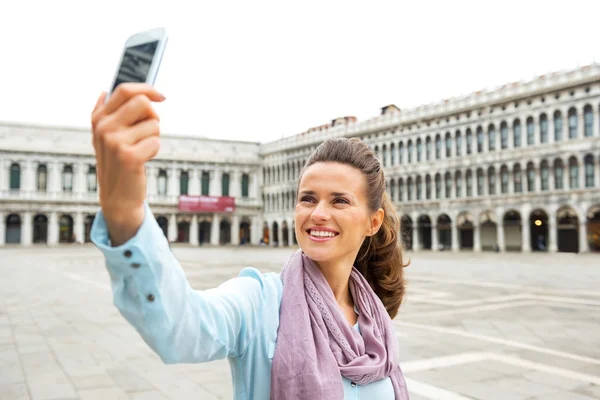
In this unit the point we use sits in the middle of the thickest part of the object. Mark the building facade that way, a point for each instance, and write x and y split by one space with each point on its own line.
516 168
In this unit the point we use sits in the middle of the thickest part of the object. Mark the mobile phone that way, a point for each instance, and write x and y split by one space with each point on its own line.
141 58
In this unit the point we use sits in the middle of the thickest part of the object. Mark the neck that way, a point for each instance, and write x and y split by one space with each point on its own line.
337 274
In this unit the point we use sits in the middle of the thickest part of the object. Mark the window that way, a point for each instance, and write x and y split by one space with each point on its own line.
42 178
428 187
469 142
530 132
589 171
504 135
184 179
572 123
246 184
588 121
504 180
92 180
479 140
517 176
206 182
469 183
517 133
448 145
492 138
480 182
15 176
225 184
401 153
383 155
458 144
162 182
438 147
458 184
393 190
544 173
392 154
530 178
67 178
400 189
448 180
438 186
573 173
558 126
419 188
409 150
491 181
543 128
559 172
409 189
419 150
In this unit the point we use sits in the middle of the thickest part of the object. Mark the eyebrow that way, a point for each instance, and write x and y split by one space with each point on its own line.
334 194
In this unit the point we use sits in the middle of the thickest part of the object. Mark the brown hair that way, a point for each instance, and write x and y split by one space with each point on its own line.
379 259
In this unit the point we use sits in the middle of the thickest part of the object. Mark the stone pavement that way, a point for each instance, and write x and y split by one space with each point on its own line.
473 326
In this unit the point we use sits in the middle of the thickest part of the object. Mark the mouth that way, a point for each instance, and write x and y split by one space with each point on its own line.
318 235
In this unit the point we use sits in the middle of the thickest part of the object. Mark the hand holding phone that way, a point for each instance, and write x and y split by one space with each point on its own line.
126 134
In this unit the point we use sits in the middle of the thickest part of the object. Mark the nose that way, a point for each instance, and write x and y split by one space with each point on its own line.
321 212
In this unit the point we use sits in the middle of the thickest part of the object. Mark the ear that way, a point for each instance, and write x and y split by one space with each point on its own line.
376 222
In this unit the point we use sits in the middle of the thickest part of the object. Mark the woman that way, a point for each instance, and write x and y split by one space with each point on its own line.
319 330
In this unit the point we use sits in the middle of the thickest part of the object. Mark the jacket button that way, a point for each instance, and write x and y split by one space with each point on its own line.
127 253
150 297
135 265
353 384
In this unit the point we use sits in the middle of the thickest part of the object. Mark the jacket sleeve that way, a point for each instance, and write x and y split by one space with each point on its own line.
180 324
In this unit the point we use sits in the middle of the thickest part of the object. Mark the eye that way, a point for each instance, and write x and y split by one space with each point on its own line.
307 199
341 200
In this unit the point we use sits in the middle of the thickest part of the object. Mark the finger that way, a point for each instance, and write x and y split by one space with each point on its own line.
127 90
99 102
146 149
134 110
140 131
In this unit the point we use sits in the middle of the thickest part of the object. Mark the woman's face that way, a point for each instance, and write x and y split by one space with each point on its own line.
332 217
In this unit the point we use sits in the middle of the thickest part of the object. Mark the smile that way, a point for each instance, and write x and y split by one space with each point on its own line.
321 235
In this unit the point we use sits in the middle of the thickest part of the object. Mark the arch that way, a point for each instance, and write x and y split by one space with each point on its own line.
225 232
589 170
593 228
469 140
530 131
183 232
538 221
163 223
42 178
458 143
573 122
65 230
438 186
438 146
275 234
428 187
15 177
245 232
504 179
464 223
161 184
573 173
285 233
469 183
419 187
406 232
567 230
448 143
419 150
559 174
558 126
12 234
488 230
444 228
424 231
517 178
513 239
409 152
392 154
458 184
491 137
588 121
428 148
503 135
544 175
517 136
409 189
543 128
40 229
491 181
184 178
88 222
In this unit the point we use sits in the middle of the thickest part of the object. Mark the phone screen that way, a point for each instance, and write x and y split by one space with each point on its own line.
136 63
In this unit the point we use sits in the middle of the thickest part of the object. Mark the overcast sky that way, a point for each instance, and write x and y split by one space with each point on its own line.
258 70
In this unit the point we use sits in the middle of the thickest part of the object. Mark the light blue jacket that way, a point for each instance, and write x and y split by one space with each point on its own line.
237 320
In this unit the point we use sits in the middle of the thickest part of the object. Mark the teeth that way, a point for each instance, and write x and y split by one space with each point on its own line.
322 234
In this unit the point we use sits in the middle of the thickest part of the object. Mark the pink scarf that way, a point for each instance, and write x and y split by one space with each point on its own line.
316 345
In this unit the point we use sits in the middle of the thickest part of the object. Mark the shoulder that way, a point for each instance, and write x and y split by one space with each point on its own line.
269 283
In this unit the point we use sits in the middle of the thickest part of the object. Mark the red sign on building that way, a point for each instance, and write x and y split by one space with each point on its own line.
206 203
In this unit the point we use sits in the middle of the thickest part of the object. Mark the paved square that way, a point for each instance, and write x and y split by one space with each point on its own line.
473 326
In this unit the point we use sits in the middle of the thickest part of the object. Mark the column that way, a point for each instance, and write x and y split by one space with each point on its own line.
256 230
254 184
215 183
596 124
4 173
29 176
476 237
26 229
580 124
54 173
235 184
280 233
194 231
53 227
79 186
553 243
194 183
584 245
538 177
151 176
500 231
455 243
173 181
525 234
79 227
235 230
215 230
2 224
172 235
581 175
415 232
550 115
434 237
